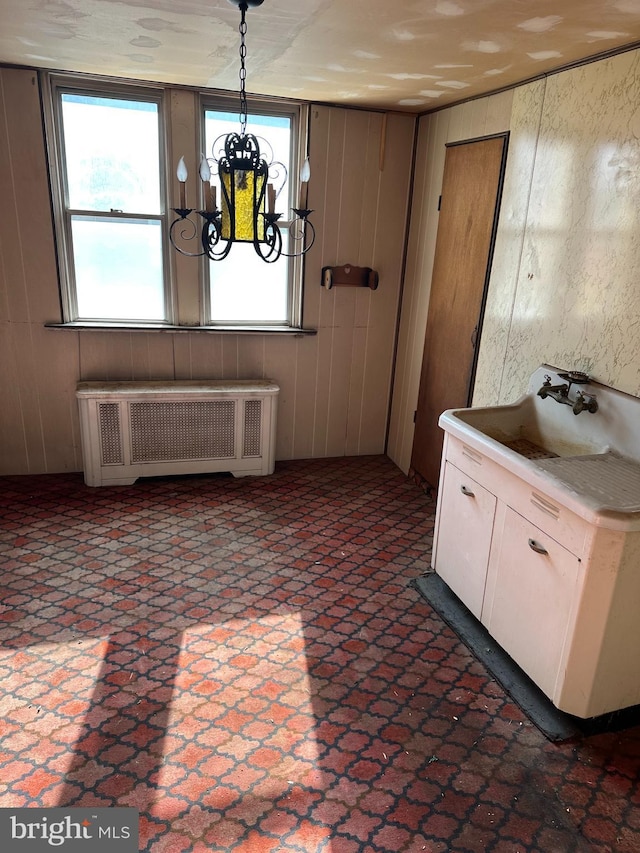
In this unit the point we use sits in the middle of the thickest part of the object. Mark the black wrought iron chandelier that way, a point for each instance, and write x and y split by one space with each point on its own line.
249 185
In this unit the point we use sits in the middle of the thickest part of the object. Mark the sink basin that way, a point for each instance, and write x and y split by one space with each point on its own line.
532 428
594 457
538 428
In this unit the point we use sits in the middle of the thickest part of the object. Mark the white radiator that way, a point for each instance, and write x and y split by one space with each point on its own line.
150 429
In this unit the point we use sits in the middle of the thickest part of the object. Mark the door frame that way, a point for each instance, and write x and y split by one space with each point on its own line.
492 244
459 287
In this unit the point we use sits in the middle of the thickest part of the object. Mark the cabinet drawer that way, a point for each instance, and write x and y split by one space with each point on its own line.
472 462
463 536
548 514
550 517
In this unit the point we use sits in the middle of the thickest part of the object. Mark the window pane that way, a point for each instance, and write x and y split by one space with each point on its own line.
244 289
274 138
112 154
118 267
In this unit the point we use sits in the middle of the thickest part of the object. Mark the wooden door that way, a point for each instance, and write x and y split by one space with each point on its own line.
471 190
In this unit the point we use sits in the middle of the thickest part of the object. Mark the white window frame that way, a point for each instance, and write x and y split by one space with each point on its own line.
186 280
299 116
54 86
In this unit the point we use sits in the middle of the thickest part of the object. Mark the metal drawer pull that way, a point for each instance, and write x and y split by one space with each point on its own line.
467 492
537 548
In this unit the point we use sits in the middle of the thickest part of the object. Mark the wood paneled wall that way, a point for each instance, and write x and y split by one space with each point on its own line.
335 385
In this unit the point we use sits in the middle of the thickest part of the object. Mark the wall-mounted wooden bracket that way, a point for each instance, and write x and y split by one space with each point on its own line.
349 276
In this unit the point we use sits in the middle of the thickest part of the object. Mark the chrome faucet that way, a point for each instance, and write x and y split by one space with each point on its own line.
582 402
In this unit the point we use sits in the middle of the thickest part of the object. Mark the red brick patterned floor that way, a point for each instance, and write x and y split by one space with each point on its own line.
246 663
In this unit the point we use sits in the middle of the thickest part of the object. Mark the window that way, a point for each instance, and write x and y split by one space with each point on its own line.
110 205
110 178
243 289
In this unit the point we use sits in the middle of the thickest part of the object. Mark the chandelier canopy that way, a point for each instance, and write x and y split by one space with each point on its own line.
249 185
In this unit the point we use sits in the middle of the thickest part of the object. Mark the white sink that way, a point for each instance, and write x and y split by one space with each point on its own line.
543 546
594 457
537 428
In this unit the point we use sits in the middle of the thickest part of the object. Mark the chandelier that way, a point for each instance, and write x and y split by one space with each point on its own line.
249 185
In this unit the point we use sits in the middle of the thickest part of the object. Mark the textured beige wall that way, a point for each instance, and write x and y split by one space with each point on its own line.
576 292
335 386
564 284
524 129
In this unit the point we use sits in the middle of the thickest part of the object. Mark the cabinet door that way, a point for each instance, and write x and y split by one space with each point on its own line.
531 607
464 536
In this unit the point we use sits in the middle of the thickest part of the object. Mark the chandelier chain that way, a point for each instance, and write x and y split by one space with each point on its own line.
243 71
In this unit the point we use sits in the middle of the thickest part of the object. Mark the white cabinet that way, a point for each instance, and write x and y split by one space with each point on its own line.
559 591
464 536
531 598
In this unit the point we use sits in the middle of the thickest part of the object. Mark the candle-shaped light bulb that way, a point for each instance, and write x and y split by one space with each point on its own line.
182 175
271 198
305 174
205 177
205 171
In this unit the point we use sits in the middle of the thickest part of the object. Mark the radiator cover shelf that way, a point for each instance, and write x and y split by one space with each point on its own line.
150 429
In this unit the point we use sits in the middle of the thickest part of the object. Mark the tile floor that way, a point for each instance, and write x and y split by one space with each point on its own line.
246 662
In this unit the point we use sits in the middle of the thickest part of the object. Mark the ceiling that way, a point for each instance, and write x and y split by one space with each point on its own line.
412 55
